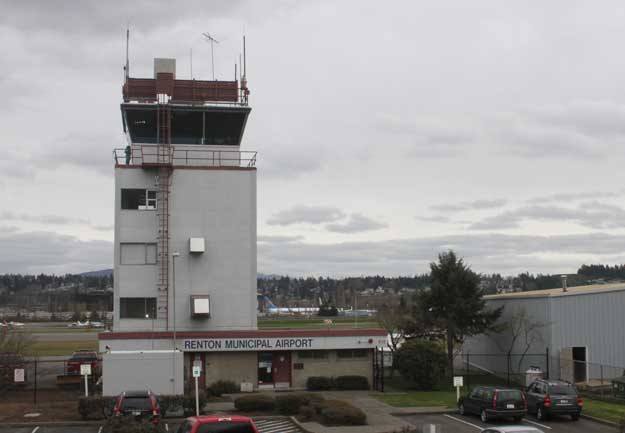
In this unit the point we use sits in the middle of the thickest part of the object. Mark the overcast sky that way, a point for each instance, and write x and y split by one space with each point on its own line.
387 132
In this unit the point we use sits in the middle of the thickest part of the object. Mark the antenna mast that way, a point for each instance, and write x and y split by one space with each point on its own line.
127 67
212 41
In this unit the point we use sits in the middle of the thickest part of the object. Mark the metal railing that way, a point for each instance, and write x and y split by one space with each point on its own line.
184 156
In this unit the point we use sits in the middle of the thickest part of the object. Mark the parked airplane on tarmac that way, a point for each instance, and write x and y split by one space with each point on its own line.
11 325
86 324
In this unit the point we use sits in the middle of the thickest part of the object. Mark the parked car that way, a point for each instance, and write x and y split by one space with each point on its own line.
213 424
512 429
490 402
83 357
138 404
553 397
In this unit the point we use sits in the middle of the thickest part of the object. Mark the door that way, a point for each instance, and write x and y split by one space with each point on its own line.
265 369
579 364
282 369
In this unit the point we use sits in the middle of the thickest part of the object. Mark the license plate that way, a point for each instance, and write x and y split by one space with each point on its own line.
136 413
564 402
509 406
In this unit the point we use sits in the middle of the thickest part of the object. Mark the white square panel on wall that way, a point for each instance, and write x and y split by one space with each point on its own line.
196 245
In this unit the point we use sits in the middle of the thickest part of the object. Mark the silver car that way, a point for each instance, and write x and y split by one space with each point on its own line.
512 429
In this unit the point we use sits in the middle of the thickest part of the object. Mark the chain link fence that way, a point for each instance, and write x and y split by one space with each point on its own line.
38 380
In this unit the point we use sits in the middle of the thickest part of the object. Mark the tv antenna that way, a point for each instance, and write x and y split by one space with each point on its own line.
212 41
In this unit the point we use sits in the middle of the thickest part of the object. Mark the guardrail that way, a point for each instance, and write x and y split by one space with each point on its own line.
182 156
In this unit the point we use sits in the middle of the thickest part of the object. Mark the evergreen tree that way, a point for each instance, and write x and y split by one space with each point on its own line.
455 302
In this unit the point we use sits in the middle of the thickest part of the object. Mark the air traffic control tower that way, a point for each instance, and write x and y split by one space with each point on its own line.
185 206
185 253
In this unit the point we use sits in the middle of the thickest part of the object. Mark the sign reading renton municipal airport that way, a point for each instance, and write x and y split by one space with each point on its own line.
280 343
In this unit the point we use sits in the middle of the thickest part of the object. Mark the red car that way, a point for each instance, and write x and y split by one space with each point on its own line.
83 357
138 404
214 424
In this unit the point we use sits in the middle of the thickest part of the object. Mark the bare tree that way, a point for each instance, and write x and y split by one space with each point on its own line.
518 333
394 319
13 341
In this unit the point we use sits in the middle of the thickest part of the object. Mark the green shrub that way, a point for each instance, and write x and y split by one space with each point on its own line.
255 402
289 404
422 363
343 415
93 407
351 382
171 403
223 387
319 383
306 413
188 403
320 405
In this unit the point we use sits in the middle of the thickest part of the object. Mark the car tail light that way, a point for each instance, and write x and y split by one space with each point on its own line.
547 401
495 400
580 401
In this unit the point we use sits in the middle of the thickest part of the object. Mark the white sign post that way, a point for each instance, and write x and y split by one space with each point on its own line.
458 383
197 370
85 370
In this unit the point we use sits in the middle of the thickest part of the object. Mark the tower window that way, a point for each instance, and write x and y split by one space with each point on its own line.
138 199
137 308
137 254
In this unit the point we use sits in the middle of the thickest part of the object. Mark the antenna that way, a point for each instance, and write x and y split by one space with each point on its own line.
244 59
191 61
212 41
235 72
127 67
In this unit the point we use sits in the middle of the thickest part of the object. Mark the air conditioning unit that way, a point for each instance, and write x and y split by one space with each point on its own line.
196 245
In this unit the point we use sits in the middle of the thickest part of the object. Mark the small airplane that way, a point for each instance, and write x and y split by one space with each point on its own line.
85 324
11 325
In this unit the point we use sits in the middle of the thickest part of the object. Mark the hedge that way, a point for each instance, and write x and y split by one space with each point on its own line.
351 383
421 363
95 408
343 415
171 403
319 383
221 387
255 402
290 404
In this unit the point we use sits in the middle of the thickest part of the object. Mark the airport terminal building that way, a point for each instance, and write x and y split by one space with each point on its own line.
185 251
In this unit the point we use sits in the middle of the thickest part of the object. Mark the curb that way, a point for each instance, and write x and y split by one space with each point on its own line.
599 420
298 424
424 412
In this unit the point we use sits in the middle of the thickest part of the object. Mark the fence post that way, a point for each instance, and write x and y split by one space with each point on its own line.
382 371
467 369
35 388
508 370
547 361
601 372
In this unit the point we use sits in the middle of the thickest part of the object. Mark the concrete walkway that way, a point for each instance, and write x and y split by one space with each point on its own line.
381 417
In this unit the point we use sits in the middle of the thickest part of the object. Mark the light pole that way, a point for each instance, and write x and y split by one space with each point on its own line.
147 316
173 302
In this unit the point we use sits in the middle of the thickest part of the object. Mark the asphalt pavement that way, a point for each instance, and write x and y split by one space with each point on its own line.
454 423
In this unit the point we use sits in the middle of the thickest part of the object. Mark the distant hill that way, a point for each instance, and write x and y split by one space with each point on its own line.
101 273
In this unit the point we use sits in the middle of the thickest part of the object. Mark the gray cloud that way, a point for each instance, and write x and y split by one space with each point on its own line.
355 224
485 252
593 214
276 239
470 205
36 252
306 214
51 220
576 196
433 218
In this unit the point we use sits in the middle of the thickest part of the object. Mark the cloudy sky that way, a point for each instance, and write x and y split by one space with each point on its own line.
387 132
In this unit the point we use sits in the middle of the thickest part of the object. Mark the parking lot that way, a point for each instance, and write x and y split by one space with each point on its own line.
454 423
265 425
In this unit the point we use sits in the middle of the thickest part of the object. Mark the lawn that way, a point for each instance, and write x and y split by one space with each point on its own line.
419 399
600 409
316 322
66 347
